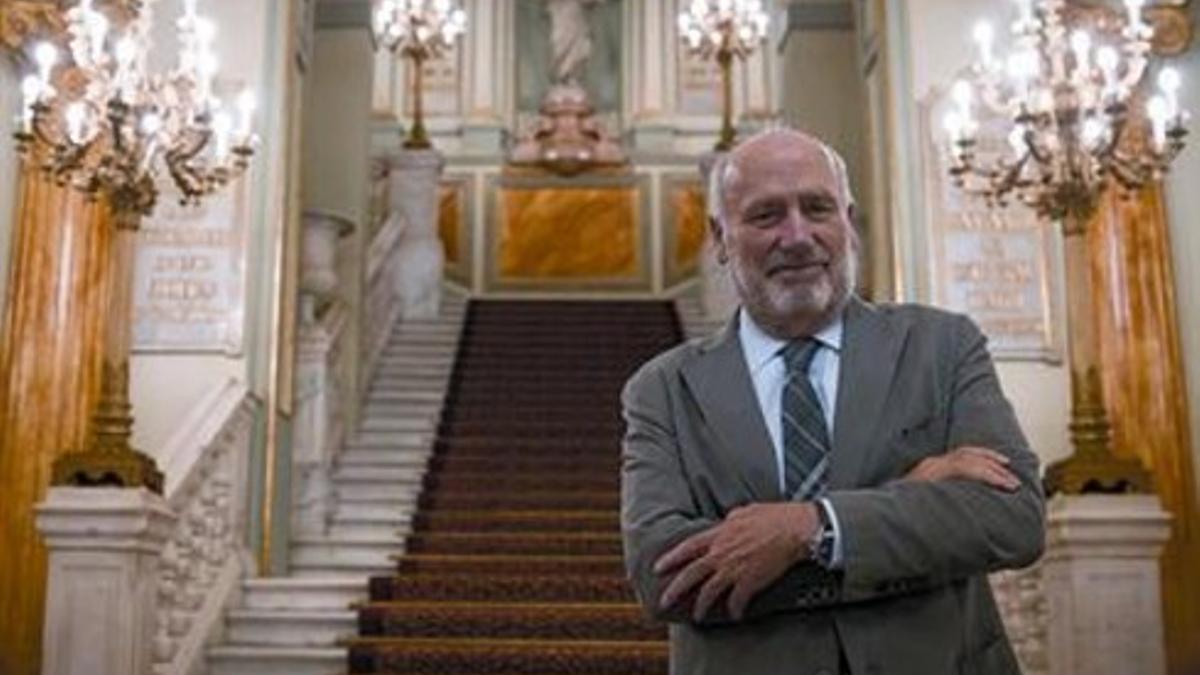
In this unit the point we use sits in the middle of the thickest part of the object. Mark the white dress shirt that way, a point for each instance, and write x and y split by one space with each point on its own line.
768 372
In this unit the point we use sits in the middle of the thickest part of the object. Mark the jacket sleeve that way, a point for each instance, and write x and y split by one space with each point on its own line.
657 508
923 534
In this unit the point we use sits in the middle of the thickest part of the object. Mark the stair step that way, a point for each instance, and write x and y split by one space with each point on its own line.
303 594
446 481
515 521
492 564
561 621
370 550
392 439
319 569
398 422
527 657
406 474
406 396
407 457
290 627
516 543
377 509
357 490
254 660
552 586
531 500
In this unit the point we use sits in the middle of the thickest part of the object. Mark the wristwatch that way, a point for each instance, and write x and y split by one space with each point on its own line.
820 547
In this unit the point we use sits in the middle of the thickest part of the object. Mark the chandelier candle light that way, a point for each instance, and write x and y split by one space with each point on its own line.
1070 101
418 30
112 132
724 29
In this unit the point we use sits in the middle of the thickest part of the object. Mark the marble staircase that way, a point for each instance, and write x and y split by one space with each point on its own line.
294 625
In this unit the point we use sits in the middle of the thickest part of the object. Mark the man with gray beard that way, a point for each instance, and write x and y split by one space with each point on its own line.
823 486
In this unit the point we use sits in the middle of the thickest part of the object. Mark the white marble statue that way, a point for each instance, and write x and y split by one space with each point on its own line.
570 38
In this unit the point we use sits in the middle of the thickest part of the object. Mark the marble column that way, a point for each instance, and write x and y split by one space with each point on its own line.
414 193
651 80
105 545
487 74
1101 575
51 344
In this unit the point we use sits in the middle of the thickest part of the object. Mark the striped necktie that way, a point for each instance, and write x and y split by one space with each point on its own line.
805 436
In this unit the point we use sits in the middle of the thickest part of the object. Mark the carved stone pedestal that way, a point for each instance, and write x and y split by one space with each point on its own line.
414 192
104 546
1102 584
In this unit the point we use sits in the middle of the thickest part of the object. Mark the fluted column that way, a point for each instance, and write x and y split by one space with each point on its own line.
487 73
50 352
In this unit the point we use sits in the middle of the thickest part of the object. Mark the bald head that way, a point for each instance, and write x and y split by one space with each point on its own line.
726 170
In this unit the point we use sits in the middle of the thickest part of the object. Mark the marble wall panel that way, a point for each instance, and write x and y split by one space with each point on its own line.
580 234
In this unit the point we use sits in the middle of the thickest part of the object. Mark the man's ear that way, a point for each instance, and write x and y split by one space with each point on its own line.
718 239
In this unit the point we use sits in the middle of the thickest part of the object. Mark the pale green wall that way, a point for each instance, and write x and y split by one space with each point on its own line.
167 387
1183 210
10 105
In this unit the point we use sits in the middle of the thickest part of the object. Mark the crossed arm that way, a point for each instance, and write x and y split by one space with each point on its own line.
970 510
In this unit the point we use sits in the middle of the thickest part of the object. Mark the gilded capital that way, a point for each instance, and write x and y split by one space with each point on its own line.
21 20
1171 20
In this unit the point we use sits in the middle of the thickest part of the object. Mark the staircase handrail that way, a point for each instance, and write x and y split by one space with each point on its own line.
207 487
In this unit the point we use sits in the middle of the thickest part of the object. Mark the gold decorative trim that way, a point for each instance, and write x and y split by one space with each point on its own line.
1173 30
1172 24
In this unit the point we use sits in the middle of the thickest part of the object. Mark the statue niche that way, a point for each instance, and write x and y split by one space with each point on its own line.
567 138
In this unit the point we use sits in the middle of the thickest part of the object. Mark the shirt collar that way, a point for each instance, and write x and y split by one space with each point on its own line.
759 347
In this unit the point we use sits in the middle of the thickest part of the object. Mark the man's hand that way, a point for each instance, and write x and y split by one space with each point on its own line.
969 463
742 555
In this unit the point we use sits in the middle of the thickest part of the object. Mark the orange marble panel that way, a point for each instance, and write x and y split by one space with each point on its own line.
450 220
1144 387
569 233
687 201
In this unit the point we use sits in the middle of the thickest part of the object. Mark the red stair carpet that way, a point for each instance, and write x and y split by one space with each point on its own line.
514 565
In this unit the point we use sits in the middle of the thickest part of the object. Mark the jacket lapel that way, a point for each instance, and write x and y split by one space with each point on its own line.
720 383
871 347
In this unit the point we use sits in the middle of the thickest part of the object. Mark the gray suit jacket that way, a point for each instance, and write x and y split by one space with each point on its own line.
913 597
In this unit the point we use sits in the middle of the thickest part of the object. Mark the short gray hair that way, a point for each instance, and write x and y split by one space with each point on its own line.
724 171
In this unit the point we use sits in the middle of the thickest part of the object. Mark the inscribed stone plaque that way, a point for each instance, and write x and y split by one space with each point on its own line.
189 283
999 265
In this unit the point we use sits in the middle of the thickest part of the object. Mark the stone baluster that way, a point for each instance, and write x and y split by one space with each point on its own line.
414 193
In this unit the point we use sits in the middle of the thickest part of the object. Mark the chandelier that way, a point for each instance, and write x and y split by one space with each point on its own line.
117 127
1069 97
107 126
418 30
724 29
1073 121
